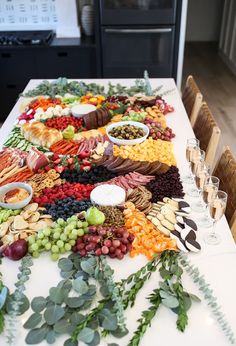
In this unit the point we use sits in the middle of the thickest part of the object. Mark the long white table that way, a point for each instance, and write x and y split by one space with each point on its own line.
217 262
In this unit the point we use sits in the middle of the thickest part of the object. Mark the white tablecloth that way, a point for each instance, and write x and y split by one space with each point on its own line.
218 262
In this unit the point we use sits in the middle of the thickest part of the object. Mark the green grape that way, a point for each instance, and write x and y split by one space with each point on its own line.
60 244
80 232
55 249
72 242
30 249
57 229
47 232
68 228
31 239
44 241
41 235
73 218
84 224
79 224
72 236
54 256
35 254
67 247
62 250
61 222
48 246
63 237
56 235
86 230
39 242
34 247
74 232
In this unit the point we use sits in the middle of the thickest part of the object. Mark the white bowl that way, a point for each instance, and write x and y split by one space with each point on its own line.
80 110
8 187
127 141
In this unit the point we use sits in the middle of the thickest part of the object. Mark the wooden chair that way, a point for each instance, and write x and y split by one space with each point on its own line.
225 170
208 133
192 99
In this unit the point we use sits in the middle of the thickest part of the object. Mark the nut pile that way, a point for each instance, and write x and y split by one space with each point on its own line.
127 132
113 216
30 221
41 181
141 197
166 185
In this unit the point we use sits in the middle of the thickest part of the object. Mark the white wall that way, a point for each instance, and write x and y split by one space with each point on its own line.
204 20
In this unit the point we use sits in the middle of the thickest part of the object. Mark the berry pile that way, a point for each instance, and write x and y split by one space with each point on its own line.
59 238
61 192
112 241
157 132
166 185
67 207
61 123
94 175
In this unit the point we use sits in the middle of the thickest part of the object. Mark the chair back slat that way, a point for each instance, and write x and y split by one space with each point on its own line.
208 133
192 98
225 170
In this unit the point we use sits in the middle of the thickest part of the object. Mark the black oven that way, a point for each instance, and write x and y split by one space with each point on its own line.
138 35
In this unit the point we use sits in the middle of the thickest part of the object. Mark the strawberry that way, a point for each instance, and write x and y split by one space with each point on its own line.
59 169
57 161
55 157
70 161
47 168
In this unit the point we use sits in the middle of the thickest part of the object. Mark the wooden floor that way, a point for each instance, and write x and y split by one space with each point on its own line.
217 84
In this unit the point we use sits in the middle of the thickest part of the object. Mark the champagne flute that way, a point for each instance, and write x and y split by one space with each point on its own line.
216 208
210 189
201 174
192 145
197 157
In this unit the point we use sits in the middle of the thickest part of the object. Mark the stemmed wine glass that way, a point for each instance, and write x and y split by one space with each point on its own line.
197 158
209 191
192 145
216 208
201 174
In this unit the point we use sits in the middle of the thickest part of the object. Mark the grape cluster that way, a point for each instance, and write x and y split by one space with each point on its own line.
112 241
158 132
66 207
58 238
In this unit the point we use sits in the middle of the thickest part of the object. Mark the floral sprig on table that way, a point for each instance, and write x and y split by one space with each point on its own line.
62 86
17 302
204 287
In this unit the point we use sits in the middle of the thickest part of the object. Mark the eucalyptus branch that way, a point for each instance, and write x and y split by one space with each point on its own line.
146 318
204 287
88 318
3 296
113 291
17 298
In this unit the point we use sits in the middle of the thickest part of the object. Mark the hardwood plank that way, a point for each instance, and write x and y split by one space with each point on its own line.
217 84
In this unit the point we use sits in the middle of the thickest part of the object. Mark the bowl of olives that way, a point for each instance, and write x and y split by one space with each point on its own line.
127 132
